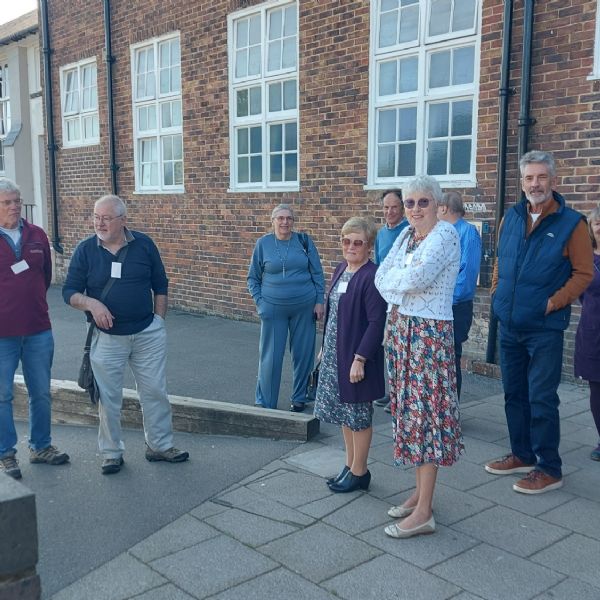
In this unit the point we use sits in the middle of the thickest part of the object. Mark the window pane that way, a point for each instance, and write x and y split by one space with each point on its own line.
388 29
388 5
438 120
291 167
178 147
242 141
409 24
291 27
276 138
439 22
409 74
255 140
437 157
242 103
176 78
387 126
255 103
291 136
241 63
254 61
95 127
142 119
385 161
241 33
168 173
274 63
165 114
462 117
463 67
168 148
152 117
387 78
164 55
243 170
276 165
150 85
94 98
460 156
154 174
254 37
407 160
275 24
407 126
289 53
275 97
175 52
439 74
289 94
256 168
464 15
178 173
176 113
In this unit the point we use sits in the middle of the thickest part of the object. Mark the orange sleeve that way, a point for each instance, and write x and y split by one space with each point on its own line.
495 271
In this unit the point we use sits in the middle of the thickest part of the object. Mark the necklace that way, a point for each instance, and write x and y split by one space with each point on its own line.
287 251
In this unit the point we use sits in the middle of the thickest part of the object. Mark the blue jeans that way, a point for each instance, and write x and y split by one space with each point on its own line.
531 363
35 353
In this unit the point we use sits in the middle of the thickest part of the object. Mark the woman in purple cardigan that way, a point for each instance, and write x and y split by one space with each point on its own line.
351 374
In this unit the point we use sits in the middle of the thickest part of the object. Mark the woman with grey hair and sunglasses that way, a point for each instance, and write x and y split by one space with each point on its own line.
286 281
417 279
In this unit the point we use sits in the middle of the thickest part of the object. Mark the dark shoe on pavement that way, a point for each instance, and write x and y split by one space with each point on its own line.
388 408
112 465
595 454
50 456
172 455
10 466
537 482
339 476
352 482
508 465
382 401
297 408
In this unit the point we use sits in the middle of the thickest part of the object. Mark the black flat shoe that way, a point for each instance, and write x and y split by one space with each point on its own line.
297 407
351 483
339 476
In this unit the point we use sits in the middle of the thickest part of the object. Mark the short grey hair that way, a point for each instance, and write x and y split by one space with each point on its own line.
8 186
453 200
117 203
281 207
592 217
537 157
423 183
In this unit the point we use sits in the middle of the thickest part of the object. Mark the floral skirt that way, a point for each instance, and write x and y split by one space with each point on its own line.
421 367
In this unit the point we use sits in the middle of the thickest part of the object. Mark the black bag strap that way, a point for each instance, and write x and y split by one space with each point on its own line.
105 290
303 237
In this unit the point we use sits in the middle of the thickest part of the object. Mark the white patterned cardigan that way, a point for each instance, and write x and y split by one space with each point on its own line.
423 286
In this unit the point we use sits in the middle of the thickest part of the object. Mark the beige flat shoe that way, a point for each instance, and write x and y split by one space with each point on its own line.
396 531
399 512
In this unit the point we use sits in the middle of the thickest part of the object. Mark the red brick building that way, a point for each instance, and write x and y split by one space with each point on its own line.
225 108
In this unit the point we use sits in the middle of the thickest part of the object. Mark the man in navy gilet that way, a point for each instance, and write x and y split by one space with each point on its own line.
544 262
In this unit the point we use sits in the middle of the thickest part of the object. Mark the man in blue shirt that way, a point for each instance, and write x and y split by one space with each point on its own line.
393 213
451 210
130 328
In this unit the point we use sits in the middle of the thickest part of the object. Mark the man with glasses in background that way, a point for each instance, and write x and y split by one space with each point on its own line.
25 331
130 328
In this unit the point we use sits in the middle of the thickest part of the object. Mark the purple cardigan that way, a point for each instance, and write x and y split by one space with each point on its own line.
361 319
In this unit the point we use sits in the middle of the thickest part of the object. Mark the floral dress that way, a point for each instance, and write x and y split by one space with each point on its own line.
328 406
421 367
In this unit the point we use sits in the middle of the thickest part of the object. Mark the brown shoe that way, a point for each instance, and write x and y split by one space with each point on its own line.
537 482
508 465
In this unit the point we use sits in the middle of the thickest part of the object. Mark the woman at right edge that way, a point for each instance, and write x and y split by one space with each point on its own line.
417 279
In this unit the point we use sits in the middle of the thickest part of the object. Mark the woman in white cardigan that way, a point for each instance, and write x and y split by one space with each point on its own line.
417 280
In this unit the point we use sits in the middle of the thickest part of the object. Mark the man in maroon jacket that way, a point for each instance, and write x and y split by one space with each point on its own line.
25 333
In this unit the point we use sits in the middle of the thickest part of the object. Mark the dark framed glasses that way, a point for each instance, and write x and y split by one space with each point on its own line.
346 242
421 203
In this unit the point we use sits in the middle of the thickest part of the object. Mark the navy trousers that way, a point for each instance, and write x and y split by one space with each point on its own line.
463 317
531 364
277 321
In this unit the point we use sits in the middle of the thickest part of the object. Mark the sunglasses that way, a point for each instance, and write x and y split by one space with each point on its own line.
421 203
356 243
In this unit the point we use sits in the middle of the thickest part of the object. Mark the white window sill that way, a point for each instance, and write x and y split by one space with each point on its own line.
262 190
444 183
158 192
593 76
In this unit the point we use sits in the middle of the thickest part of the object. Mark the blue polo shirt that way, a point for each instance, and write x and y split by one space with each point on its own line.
386 237
130 299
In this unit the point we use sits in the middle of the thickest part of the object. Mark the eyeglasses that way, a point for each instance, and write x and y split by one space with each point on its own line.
16 202
356 243
421 203
99 219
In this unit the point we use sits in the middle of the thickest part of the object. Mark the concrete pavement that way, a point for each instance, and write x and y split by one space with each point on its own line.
254 519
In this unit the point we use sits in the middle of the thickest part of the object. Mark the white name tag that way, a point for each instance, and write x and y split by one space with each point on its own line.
408 259
343 287
115 270
20 267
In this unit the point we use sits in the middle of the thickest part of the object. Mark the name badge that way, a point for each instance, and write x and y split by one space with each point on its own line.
408 259
343 287
115 270
20 267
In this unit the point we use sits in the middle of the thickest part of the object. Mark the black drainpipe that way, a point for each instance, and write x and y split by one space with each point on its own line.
505 92
110 59
47 52
525 121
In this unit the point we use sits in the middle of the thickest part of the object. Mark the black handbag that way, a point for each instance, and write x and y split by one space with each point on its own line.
86 379
313 382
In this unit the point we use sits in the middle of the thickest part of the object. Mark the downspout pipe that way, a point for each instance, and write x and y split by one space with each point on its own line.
110 59
505 92
525 120
47 52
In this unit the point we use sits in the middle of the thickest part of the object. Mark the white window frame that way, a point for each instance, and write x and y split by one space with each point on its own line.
158 136
2 159
595 74
423 47
5 120
79 117
286 118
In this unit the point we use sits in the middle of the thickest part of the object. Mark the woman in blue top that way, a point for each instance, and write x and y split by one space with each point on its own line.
286 281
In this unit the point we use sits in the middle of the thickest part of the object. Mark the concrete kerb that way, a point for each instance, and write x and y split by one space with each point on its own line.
71 405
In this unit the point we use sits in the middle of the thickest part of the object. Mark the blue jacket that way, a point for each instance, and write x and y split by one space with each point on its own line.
531 269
